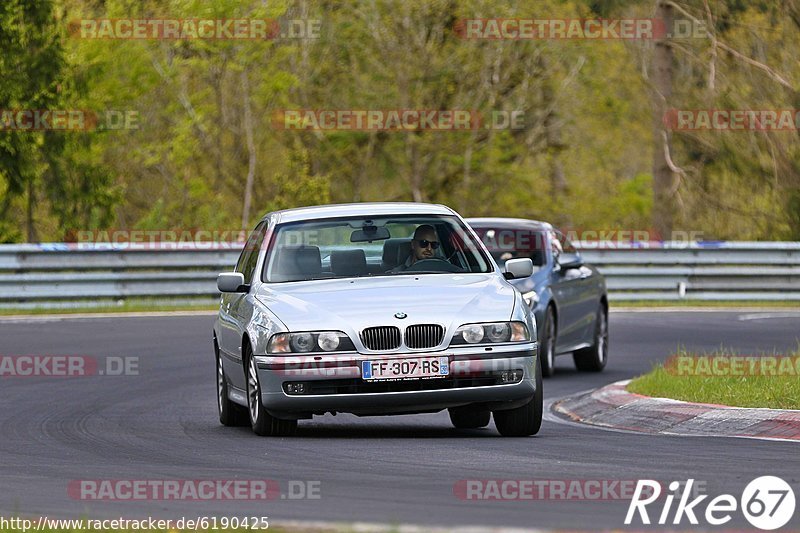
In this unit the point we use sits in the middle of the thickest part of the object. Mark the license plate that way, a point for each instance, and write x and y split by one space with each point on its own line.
412 368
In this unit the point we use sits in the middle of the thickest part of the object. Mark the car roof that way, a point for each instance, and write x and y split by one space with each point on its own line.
501 222
359 209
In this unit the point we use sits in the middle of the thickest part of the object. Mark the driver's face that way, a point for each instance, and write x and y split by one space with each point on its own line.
423 252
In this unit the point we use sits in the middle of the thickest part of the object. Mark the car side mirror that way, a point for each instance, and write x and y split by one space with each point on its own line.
518 268
570 261
231 282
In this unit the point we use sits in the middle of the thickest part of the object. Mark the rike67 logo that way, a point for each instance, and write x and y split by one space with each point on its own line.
767 503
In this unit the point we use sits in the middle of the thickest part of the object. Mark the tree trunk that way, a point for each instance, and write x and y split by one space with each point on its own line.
251 150
31 227
663 176
415 177
552 135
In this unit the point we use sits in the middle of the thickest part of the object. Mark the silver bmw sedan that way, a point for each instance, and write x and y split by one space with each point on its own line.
374 309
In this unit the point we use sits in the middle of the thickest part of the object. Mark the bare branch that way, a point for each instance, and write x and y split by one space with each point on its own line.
712 64
757 64
672 166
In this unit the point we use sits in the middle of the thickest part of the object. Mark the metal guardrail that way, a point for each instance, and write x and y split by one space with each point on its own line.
45 274
699 271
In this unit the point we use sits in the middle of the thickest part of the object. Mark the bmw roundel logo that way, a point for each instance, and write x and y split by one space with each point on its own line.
400 315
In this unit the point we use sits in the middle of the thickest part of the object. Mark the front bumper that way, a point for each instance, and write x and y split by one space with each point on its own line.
334 382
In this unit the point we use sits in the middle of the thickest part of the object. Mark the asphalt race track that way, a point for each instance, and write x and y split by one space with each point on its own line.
162 425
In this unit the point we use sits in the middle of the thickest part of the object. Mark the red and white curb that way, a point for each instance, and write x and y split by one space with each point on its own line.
614 407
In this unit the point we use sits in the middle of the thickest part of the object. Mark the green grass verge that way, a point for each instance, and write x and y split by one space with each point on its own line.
775 386
129 306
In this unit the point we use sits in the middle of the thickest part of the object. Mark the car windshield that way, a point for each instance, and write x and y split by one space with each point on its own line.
376 246
513 243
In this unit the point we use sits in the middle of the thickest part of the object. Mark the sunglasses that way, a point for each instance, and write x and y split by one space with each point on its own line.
423 243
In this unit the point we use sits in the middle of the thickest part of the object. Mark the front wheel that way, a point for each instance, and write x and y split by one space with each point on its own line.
526 419
594 358
547 343
469 418
261 421
230 413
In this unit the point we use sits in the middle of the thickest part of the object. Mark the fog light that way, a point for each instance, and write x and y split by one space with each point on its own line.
511 376
296 388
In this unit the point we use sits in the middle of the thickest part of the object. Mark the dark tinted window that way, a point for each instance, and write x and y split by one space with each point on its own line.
566 245
513 243
249 257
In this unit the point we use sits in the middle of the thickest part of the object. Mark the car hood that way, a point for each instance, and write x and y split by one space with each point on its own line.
352 304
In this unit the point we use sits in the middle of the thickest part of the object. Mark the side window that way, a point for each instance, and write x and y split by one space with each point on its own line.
566 245
555 245
249 257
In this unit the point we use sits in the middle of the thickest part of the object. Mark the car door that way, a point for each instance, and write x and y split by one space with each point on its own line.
566 289
586 296
236 308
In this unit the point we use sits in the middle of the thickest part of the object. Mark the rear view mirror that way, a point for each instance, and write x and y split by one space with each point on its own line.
369 234
518 268
231 282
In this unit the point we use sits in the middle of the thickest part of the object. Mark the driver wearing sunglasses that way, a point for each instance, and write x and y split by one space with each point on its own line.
424 245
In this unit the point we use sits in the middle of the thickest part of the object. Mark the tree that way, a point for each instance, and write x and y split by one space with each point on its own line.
664 175
32 66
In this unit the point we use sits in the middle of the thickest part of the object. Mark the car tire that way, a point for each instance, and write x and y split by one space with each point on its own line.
524 420
469 418
231 414
594 358
261 421
547 343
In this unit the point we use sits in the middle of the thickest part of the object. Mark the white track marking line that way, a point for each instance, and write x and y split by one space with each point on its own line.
767 316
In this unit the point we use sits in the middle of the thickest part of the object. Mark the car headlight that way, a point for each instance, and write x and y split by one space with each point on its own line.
491 332
302 342
328 340
500 332
531 298
310 341
472 333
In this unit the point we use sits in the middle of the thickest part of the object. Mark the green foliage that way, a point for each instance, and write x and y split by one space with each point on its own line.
583 157
298 186
31 63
